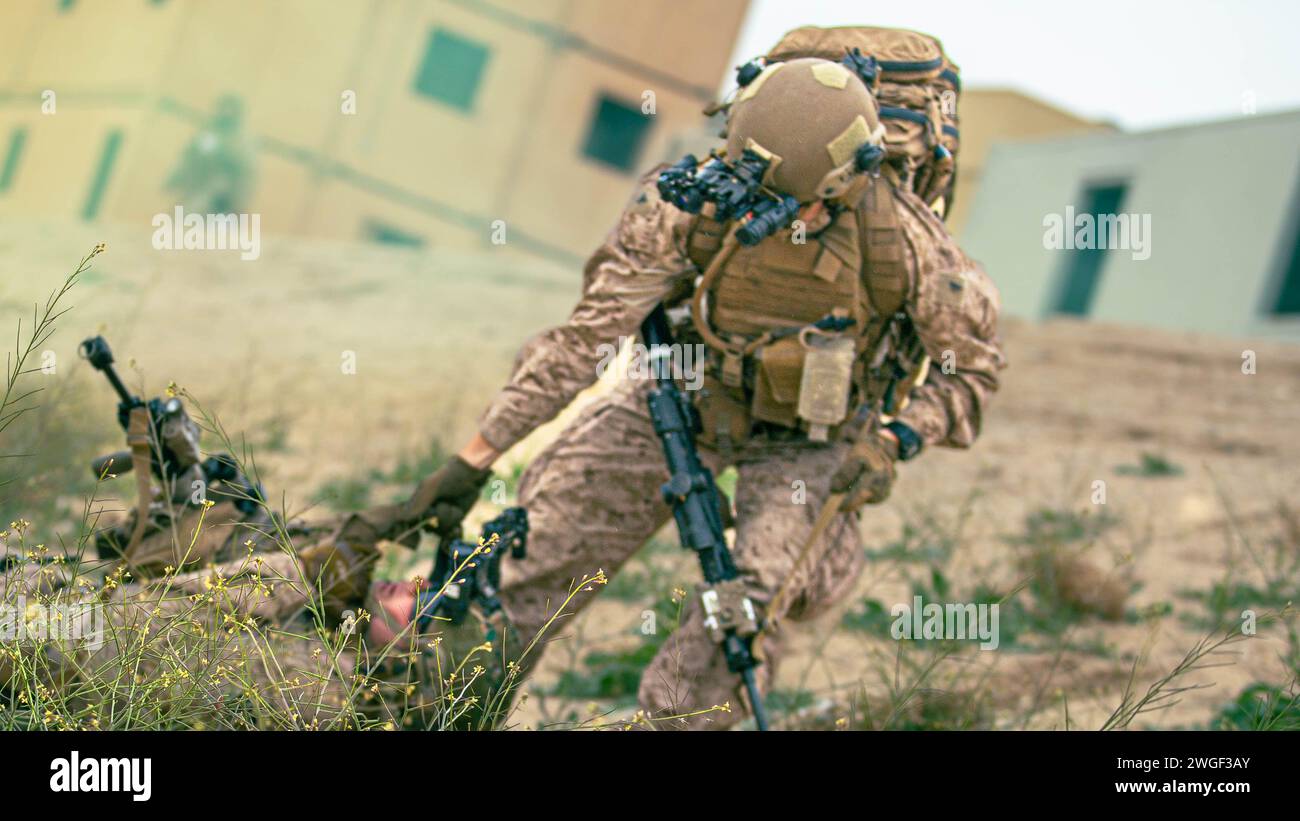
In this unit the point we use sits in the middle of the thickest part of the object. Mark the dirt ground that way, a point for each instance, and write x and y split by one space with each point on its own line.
1199 460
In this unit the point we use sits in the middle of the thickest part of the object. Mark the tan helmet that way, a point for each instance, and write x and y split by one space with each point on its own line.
809 117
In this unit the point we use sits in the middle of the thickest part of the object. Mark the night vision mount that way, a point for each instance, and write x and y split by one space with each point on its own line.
736 191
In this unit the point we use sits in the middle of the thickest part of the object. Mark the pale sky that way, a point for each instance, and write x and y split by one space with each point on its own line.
1138 63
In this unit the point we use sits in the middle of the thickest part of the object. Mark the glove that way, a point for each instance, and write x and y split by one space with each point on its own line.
867 473
448 494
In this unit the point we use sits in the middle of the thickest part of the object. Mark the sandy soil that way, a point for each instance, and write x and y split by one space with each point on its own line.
433 334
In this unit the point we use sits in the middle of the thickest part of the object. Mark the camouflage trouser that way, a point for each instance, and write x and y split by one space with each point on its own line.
593 499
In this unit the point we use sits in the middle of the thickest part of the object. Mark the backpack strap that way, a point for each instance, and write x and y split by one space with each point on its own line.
886 277
884 269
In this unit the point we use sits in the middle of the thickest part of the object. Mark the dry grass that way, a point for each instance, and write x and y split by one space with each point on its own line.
1118 618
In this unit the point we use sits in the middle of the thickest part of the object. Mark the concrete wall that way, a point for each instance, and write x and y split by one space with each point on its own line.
1221 197
990 116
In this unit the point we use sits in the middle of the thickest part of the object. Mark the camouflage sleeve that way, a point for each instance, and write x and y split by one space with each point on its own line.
640 263
955 313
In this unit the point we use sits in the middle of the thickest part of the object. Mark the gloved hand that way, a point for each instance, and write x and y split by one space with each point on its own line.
867 473
448 494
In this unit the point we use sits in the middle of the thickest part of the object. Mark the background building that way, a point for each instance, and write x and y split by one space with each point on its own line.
995 115
444 124
466 111
1223 203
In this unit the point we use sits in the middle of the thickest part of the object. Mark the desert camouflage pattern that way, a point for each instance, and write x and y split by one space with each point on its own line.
954 310
593 495
953 307
180 535
593 500
642 261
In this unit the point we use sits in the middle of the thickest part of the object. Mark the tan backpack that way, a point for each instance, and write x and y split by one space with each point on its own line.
917 87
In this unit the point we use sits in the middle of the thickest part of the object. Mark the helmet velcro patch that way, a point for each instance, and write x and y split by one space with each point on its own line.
843 148
831 75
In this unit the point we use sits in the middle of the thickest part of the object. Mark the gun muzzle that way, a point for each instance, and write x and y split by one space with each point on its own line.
96 351
114 464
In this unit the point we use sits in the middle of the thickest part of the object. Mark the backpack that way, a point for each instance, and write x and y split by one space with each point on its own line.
917 87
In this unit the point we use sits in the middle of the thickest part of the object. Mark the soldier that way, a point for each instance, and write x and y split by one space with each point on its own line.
216 172
252 636
593 494
203 596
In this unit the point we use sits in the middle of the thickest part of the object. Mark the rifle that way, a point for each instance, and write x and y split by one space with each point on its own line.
461 578
694 496
162 434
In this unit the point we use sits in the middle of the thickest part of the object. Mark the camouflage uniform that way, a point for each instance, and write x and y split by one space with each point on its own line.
191 645
236 635
593 495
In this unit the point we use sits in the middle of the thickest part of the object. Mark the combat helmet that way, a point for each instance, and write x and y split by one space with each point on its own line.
814 120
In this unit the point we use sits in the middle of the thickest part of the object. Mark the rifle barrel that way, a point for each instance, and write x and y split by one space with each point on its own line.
755 699
127 398
96 351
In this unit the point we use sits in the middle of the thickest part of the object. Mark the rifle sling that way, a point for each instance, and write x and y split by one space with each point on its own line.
137 437
775 611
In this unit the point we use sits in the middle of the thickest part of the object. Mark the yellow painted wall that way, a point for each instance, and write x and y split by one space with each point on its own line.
155 70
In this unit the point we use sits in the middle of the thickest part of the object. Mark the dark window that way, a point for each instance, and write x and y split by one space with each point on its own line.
617 135
388 235
12 155
1078 283
103 172
1288 294
452 69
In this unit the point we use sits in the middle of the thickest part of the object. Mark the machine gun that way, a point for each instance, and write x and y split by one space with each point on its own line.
462 579
162 433
736 191
730 616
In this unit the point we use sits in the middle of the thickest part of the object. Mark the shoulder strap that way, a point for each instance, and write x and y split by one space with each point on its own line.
884 269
